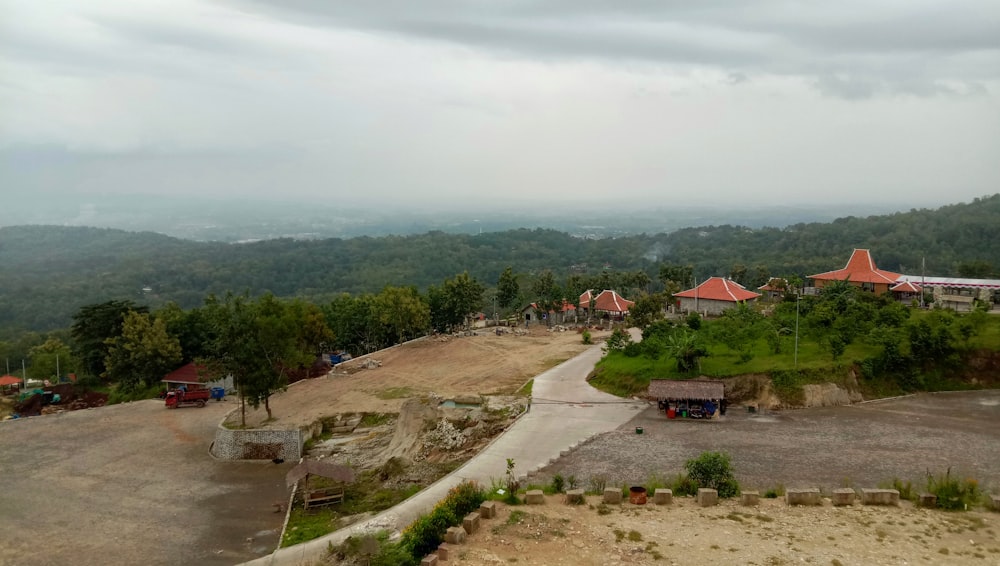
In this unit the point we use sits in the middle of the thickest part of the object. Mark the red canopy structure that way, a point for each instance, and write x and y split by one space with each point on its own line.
10 380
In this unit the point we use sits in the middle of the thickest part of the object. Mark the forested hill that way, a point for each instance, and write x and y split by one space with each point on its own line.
48 272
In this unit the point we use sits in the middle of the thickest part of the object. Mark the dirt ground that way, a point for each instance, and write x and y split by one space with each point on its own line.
447 366
772 533
132 484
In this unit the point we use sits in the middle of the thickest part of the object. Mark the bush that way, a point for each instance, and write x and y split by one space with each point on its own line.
953 494
425 534
684 485
558 483
586 337
713 470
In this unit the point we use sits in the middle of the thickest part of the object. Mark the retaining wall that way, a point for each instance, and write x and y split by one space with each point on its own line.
257 444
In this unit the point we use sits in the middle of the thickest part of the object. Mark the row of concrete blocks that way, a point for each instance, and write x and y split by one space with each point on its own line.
456 535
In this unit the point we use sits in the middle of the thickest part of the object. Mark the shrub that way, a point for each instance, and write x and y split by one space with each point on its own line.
558 483
713 470
684 485
586 337
953 494
775 492
425 534
598 483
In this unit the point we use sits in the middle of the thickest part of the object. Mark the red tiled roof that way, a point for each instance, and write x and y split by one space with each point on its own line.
906 287
607 300
859 269
719 289
781 283
185 374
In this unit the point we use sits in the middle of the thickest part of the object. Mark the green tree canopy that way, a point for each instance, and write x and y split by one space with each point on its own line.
93 326
142 354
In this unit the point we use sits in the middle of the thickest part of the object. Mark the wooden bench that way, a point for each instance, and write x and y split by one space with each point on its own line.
322 496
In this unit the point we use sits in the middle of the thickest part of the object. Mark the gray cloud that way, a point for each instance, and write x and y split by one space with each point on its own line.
457 101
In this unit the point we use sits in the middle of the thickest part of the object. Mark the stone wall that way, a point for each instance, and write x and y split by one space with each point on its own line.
257 444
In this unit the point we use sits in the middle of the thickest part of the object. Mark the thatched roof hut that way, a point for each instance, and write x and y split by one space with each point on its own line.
687 389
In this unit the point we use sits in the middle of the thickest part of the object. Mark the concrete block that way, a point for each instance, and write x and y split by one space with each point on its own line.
455 535
996 502
928 500
707 497
534 497
488 509
574 496
844 496
750 498
808 496
663 496
442 551
471 523
879 497
612 495
429 560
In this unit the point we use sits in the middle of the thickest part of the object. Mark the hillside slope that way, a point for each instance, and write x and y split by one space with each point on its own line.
48 272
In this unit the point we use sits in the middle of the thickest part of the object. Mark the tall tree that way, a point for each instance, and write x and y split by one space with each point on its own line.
508 289
454 301
93 326
403 313
142 354
256 343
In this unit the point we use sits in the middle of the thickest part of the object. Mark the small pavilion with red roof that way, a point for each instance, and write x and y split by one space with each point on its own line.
860 271
713 296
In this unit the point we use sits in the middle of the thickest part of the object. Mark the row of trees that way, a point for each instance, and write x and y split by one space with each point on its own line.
47 273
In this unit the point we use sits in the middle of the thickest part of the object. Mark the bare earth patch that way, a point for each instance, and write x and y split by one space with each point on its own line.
484 364
769 534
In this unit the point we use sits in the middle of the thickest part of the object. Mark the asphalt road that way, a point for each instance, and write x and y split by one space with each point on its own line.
132 484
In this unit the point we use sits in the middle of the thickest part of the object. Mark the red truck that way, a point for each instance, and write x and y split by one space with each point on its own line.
180 398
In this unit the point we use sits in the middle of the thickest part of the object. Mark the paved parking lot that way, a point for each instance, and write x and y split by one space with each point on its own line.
132 484
860 445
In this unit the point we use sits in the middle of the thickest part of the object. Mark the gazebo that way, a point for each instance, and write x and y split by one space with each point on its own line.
327 491
695 398
8 380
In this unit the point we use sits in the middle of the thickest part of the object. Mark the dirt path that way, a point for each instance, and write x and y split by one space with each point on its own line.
448 366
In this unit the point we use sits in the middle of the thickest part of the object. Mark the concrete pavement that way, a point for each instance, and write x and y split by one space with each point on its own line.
565 411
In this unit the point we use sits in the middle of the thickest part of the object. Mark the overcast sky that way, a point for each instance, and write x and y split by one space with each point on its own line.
431 102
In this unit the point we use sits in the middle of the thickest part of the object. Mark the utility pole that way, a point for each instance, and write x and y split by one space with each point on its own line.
797 297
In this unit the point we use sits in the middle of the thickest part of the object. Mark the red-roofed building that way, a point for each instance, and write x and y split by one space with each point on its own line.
906 291
860 271
774 288
606 302
713 296
193 377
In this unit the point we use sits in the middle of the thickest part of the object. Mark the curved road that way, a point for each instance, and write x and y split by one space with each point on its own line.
565 412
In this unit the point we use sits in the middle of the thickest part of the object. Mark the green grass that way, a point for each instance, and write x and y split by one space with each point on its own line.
365 494
624 376
396 393
525 389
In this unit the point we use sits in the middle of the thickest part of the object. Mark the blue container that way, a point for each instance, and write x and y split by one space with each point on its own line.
218 393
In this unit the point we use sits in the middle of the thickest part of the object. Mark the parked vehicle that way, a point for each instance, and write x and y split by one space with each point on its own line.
181 398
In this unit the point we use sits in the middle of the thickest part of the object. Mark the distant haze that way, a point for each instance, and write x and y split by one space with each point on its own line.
459 105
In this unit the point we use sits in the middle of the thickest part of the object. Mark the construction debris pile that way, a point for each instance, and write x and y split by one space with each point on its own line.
57 398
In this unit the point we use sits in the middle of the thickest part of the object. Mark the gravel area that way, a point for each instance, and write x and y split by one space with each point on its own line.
860 445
